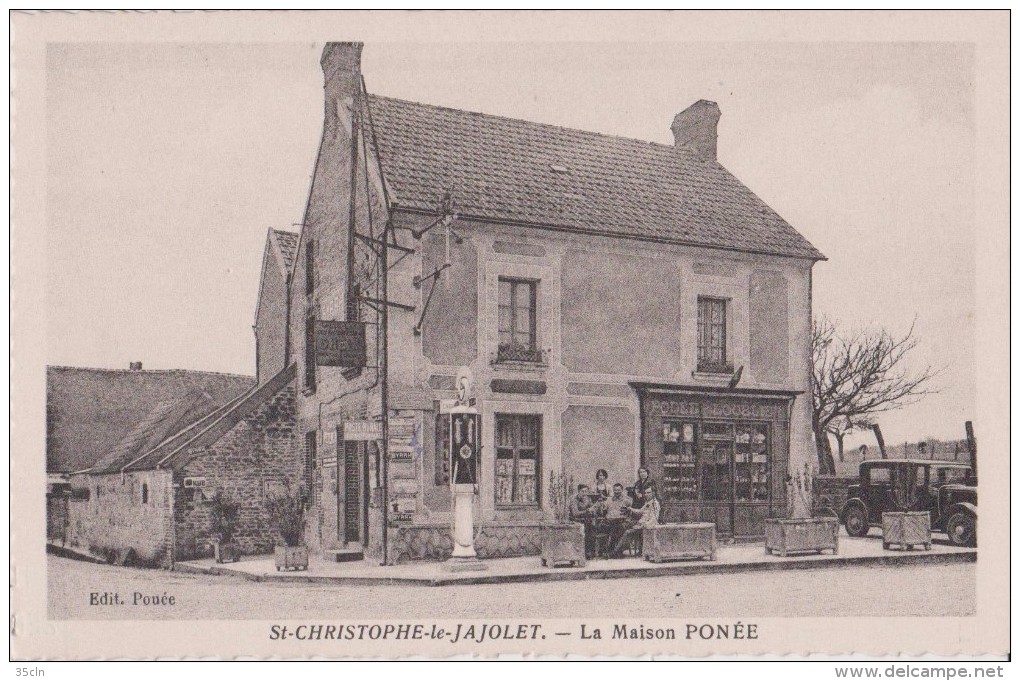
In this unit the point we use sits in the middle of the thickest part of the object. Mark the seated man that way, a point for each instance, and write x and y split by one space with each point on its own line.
616 513
581 511
646 516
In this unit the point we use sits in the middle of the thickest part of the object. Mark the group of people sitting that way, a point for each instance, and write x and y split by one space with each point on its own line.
618 513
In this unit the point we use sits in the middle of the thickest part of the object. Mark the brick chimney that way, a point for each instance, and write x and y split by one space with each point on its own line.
135 366
695 129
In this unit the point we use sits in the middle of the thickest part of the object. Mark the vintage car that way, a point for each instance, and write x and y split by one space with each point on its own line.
947 490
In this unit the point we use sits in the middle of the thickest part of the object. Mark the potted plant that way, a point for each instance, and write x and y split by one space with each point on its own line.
224 512
801 531
287 516
562 539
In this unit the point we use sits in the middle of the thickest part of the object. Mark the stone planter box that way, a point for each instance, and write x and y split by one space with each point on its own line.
679 541
227 552
797 535
291 558
563 543
906 530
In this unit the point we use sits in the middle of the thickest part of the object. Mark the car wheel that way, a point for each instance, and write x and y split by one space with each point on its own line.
856 521
962 529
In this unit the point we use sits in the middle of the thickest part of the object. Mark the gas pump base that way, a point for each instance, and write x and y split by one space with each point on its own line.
457 564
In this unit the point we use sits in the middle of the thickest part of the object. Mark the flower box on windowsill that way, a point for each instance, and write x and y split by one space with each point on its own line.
519 354
715 368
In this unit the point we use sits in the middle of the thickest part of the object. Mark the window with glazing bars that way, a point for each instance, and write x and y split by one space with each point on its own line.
518 459
518 337
712 334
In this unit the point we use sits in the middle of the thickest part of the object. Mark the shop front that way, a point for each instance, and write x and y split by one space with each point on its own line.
718 455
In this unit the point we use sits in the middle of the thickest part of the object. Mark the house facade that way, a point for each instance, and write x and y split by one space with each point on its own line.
619 304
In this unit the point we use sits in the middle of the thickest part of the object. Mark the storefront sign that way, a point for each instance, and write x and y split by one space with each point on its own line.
340 344
362 430
401 518
401 454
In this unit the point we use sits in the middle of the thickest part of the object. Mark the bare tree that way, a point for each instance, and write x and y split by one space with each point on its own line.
856 377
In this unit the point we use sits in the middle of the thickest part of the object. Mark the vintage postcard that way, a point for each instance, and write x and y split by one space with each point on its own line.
385 334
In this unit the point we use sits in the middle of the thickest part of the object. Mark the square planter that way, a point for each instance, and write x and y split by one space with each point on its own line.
563 543
678 541
291 558
797 535
226 552
906 530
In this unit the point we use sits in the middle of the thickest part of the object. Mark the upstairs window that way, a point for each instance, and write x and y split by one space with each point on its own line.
310 268
310 352
712 336
518 314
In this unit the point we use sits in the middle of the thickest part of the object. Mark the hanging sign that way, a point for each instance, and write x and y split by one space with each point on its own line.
362 430
340 344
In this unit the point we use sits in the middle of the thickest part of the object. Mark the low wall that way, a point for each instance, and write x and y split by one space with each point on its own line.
434 542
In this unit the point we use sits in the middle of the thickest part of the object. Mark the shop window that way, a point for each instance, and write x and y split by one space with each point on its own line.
518 312
712 336
751 462
518 459
679 465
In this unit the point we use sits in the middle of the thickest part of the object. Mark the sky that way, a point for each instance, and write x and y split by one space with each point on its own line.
166 164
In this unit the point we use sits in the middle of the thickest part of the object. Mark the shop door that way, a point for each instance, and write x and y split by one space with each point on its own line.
352 492
717 477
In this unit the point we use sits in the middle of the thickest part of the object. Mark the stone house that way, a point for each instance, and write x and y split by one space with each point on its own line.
619 303
152 493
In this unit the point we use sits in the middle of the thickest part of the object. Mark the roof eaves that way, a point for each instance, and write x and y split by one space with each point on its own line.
809 254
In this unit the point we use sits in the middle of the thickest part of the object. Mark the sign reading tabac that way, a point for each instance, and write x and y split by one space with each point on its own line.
340 344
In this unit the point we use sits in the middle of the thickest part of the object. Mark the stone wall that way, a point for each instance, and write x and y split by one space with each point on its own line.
434 542
256 456
130 511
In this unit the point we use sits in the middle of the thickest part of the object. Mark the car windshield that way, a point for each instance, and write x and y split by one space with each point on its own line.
954 474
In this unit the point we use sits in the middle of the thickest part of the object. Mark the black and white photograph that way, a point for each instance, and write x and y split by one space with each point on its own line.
360 334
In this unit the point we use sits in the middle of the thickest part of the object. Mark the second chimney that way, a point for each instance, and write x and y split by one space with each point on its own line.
695 129
135 366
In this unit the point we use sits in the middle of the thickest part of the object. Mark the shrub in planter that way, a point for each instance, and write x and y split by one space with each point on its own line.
287 516
562 540
224 513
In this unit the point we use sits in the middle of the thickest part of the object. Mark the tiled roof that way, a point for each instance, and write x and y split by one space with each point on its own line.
165 419
506 169
211 428
288 243
88 411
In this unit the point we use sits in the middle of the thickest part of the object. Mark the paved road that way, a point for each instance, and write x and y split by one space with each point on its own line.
929 590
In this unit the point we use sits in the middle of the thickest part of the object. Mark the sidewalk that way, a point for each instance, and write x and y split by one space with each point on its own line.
735 558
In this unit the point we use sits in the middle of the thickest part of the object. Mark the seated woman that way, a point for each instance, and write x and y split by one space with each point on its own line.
646 516
582 510
639 492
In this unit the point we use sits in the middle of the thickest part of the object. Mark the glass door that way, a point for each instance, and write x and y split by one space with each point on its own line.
717 449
